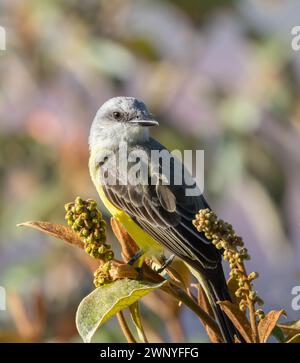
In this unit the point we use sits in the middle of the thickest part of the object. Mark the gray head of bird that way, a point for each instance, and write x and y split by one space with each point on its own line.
121 119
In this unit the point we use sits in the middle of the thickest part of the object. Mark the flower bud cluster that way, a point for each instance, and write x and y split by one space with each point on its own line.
86 220
232 247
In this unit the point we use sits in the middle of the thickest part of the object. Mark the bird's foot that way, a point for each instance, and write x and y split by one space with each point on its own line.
167 262
135 258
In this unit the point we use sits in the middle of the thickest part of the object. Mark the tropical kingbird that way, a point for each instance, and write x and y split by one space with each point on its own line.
155 211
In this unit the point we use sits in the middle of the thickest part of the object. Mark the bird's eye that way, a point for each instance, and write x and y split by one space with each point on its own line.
117 115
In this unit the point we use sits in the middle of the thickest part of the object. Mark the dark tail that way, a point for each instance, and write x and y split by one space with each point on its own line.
227 328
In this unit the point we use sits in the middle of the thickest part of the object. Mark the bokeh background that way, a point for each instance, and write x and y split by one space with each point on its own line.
220 75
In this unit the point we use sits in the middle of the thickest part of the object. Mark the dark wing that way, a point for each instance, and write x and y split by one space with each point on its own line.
165 212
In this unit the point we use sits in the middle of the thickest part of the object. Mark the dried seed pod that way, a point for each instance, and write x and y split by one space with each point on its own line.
252 276
243 307
260 314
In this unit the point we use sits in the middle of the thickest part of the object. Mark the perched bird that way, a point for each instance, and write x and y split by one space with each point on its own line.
156 211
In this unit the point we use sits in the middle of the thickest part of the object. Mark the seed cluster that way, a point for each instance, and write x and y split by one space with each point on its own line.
86 220
224 238
101 275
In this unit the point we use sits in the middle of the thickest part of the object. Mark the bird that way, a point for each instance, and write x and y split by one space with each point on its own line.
156 212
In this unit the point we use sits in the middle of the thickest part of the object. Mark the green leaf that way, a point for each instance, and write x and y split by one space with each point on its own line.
104 302
136 318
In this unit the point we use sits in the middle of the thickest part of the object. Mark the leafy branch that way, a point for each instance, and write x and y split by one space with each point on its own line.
119 285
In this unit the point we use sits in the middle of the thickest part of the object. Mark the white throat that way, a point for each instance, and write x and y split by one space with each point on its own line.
111 137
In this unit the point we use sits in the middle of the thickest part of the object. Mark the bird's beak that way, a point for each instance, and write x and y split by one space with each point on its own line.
146 123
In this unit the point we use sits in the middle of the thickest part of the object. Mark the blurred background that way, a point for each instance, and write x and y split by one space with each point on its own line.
220 75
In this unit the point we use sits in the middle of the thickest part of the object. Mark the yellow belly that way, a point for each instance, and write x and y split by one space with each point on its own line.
145 242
